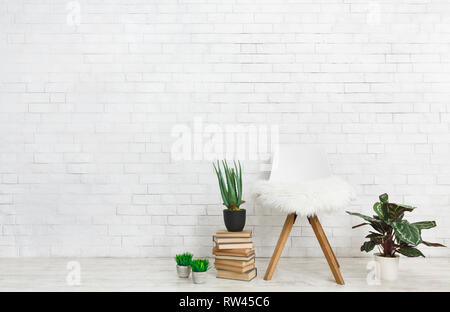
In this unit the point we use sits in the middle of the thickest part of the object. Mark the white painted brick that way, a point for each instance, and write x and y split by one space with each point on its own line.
86 116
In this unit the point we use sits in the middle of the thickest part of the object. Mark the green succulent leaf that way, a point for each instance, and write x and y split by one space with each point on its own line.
230 184
367 218
410 251
184 259
407 232
200 265
424 225
223 190
367 246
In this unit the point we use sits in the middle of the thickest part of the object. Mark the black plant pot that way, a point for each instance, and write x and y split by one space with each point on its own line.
234 220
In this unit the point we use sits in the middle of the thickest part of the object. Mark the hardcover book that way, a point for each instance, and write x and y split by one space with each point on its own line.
246 276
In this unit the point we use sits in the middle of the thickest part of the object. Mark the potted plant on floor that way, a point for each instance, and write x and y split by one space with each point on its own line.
184 264
393 235
230 184
199 269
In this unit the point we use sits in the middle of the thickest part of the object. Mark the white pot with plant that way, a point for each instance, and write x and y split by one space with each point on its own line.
393 235
199 268
184 264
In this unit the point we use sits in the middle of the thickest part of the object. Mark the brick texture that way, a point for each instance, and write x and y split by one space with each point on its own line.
90 92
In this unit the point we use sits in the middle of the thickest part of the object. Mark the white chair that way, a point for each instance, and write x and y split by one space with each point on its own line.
301 183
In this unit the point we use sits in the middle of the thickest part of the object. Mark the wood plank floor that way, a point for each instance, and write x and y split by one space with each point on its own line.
159 274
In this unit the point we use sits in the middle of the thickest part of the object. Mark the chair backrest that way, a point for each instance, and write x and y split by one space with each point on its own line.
299 163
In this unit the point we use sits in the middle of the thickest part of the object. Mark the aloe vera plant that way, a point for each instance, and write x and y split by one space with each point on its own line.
230 184
392 234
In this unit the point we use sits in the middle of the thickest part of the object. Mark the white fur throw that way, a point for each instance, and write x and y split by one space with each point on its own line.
326 194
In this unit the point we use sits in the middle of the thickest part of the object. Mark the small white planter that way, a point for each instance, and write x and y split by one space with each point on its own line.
183 271
388 267
199 277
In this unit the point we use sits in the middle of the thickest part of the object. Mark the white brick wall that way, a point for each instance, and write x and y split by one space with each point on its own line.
86 114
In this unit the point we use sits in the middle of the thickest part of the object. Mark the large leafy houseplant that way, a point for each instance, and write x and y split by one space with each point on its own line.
230 185
393 234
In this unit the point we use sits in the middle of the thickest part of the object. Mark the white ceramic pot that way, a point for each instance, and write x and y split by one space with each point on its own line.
199 277
183 271
388 267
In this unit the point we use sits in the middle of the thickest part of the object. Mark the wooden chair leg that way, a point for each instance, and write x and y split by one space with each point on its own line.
326 248
290 219
328 243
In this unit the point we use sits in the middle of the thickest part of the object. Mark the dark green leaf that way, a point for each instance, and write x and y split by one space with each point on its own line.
377 225
391 210
377 207
367 218
432 244
374 235
424 225
355 226
407 232
384 198
407 207
410 251
367 246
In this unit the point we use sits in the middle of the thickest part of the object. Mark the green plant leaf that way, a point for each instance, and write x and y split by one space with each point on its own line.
374 235
367 218
238 185
367 246
200 265
407 232
384 198
378 226
223 190
230 186
355 226
184 259
422 225
391 211
401 211
378 208
410 251
407 207
432 244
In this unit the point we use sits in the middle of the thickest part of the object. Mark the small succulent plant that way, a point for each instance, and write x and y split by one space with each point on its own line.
184 259
200 265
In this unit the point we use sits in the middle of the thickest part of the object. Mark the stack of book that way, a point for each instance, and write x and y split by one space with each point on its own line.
235 256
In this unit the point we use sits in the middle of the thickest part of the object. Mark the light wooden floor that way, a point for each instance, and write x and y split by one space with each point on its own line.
159 274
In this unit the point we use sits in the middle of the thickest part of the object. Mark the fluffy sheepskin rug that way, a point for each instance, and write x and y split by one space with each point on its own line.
324 195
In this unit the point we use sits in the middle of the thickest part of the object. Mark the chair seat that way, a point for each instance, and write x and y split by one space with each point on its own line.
308 198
